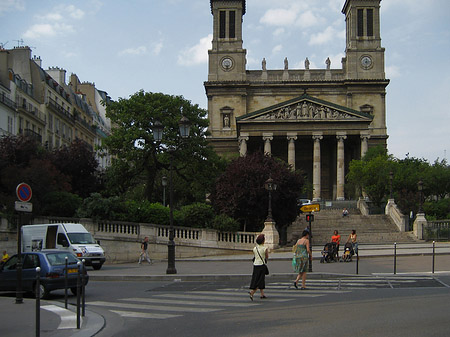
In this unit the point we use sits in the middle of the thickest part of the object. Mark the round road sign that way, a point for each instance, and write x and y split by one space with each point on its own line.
23 192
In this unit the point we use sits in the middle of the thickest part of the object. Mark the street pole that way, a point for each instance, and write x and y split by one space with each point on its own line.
310 244
19 294
171 245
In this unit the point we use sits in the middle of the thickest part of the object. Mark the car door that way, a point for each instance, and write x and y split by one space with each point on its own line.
8 274
30 262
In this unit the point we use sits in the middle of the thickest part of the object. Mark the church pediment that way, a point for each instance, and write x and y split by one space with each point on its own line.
306 108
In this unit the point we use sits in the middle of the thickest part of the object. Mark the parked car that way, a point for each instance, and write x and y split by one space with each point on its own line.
301 202
52 264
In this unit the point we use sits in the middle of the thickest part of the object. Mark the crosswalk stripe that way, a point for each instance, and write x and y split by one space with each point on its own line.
278 292
214 298
151 307
143 314
68 318
183 302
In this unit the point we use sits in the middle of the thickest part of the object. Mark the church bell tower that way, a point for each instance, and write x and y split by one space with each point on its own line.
364 54
227 58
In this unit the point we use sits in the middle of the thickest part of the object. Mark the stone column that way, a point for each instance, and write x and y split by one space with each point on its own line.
317 137
340 179
291 137
364 143
267 137
243 139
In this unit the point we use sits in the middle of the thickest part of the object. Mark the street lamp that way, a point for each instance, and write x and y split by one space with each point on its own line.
184 128
164 184
270 186
420 188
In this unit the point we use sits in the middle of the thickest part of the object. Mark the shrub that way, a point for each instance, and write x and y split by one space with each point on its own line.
224 223
197 215
144 211
61 204
97 207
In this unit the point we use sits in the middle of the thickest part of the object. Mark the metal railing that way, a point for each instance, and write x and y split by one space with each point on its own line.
437 230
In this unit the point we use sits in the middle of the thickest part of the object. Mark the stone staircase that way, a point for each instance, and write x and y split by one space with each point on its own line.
371 229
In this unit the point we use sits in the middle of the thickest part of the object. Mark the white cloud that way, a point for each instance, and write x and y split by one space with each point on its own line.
47 30
74 12
197 54
11 5
157 47
279 31
277 49
279 17
392 71
324 37
141 50
308 19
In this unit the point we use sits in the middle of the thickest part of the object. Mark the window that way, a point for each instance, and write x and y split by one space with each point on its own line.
10 124
360 18
232 24
370 22
222 18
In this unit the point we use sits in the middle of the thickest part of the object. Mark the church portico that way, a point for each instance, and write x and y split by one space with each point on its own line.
317 120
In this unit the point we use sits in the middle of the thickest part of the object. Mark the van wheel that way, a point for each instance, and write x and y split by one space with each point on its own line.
97 266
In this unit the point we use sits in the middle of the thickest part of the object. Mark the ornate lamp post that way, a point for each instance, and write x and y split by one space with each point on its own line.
184 128
270 186
420 188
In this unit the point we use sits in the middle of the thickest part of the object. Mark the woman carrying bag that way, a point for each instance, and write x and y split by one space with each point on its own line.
259 267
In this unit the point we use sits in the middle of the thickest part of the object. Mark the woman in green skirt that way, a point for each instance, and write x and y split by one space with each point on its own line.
301 259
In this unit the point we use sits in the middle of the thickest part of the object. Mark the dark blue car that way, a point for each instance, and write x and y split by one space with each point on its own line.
52 274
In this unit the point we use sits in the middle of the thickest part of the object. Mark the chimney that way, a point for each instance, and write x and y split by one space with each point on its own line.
37 60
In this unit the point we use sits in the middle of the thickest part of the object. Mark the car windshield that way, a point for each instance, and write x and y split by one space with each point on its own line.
81 238
57 259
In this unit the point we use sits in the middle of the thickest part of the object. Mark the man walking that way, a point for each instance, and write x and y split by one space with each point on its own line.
144 251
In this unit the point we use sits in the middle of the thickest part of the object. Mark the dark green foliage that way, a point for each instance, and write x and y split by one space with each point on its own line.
61 204
224 223
78 162
240 194
437 210
99 208
144 211
198 215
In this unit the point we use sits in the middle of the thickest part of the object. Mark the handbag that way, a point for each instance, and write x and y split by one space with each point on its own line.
266 269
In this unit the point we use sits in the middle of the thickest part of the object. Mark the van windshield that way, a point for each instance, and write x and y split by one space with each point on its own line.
80 238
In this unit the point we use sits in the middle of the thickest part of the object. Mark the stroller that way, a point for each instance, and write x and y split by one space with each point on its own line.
329 253
348 253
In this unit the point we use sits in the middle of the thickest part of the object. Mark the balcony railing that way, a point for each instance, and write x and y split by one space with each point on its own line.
58 108
5 100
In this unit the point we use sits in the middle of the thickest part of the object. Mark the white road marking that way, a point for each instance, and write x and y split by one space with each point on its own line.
68 318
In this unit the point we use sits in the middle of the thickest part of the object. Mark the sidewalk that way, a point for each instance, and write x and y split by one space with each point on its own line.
19 319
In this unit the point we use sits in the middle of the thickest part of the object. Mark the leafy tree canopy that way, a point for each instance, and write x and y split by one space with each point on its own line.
240 193
142 161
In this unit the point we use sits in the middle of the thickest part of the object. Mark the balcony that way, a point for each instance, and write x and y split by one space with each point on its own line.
5 100
52 104
32 134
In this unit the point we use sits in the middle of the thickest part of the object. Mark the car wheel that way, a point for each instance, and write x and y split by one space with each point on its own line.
43 291
97 266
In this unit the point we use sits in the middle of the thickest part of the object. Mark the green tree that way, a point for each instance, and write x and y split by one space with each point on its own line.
371 174
240 194
77 161
140 160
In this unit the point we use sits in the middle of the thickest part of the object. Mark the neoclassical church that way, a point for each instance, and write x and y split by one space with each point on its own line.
317 120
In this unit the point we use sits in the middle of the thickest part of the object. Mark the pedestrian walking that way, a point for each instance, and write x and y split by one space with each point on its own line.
261 254
144 251
300 260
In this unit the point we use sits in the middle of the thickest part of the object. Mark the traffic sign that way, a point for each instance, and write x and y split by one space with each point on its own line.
24 206
310 217
310 208
23 192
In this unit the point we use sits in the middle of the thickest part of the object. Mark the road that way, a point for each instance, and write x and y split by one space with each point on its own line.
338 306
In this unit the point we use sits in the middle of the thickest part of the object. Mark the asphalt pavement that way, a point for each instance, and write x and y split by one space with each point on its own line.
56 321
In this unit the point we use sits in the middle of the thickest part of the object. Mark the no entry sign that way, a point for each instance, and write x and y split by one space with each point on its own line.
23 192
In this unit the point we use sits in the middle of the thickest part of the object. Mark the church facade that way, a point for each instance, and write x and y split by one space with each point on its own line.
317 120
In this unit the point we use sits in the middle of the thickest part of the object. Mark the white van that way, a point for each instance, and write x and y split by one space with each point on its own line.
64 236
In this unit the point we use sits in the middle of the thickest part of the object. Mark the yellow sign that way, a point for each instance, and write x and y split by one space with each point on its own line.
310 208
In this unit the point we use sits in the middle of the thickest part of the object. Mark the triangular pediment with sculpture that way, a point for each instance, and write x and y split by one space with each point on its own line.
307 108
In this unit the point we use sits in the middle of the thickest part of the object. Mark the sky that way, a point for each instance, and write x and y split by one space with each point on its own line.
161 46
